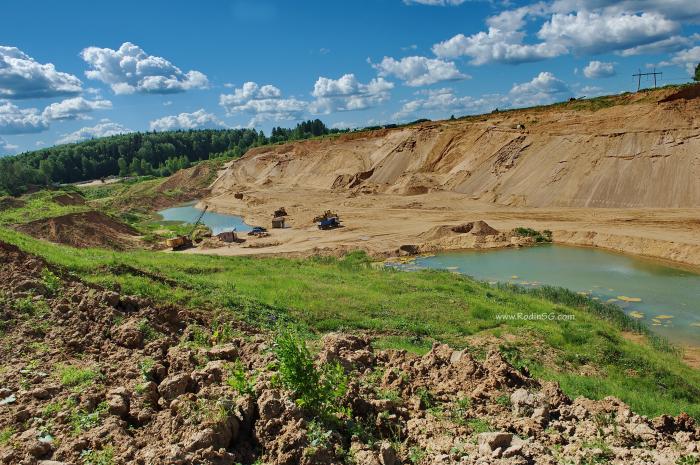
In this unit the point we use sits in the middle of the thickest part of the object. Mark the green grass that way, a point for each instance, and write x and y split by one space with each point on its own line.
407 310
5 435
76 377
39 206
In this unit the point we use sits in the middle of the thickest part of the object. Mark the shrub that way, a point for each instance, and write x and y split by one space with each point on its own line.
98 457
240 381
544 236
317 389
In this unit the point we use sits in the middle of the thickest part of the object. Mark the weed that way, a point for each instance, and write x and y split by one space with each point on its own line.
688 460
104 456
426 397
30 307
51 281
5 435
478 426
82 420
416 455
75 377
148 331
239 380
146 368
503 400
460 410
317 435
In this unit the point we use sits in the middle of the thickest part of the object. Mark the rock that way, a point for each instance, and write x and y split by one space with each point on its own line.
270 405
387 454
174 385
366 457
129 335
118 402
38 448
228 352
111 298
352 352
490 443
515 448
212 373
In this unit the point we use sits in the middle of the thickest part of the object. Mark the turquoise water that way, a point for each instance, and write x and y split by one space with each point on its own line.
664 291
218 222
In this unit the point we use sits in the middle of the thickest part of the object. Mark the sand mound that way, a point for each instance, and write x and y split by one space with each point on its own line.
190 179
474 228
72 198
9 203
83 230
686 93
635 153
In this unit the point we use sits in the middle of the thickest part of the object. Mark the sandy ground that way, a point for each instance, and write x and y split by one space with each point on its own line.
381 223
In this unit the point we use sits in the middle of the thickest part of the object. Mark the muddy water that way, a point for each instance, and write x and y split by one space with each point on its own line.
669 298
218 222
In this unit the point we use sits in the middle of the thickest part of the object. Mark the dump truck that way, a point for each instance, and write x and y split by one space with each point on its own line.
185 242
280 212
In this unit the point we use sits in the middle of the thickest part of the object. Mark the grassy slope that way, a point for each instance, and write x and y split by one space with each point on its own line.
407 310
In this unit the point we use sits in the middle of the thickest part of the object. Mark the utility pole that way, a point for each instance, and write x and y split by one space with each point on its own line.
640 74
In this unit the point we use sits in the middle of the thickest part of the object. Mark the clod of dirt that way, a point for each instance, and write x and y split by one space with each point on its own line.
9 203
83 230
69 198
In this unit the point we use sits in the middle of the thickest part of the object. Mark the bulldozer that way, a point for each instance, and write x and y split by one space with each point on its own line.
185 242
326 215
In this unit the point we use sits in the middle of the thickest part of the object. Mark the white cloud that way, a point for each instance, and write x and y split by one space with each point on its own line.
15 120
571 26
419 71
348 94
74 108
603 32
599 69
22 77
103 129
264 103
200 119
687 59
670 44
435 2
6 148
442 102
130 70
543 89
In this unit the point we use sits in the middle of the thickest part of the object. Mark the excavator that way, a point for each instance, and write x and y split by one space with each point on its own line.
185 242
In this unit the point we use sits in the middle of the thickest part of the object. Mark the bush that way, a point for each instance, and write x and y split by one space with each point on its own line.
544 236
318 389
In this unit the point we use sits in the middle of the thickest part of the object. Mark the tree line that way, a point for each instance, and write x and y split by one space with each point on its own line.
149 153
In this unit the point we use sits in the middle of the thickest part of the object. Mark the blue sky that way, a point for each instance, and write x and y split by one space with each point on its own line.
75 70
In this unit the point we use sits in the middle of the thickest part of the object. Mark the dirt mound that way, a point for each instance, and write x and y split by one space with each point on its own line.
192 179
634 153
686 93
99 377
83 230
72 198
9 203
474 228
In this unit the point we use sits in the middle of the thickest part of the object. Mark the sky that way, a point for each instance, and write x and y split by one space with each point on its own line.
71 71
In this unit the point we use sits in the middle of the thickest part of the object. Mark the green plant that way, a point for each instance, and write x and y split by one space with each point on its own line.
416 455
31 307
503 400
239 380
5 434
318 435
544 236
318 389
477 425
104 456
76 377
146 368
688 459
148 331
82 420
51 281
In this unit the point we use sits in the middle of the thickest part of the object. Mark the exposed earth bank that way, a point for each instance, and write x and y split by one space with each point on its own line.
624 177
98 377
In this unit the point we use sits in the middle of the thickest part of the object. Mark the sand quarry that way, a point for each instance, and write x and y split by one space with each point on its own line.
625 177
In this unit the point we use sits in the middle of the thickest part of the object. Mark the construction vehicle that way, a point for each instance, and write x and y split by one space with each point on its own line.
327 214
185 242
258 231
280 212
329 223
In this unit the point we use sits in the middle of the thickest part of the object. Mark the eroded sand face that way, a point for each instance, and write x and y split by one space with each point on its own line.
625 178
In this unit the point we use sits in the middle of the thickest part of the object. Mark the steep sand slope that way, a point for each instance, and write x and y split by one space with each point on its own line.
626 177
641 154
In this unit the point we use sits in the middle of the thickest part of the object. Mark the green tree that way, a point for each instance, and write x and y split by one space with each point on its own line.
123 167
696 78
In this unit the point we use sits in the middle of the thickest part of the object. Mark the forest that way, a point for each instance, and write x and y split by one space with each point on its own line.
139 153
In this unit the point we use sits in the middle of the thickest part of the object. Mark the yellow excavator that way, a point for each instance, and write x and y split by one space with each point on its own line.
185 242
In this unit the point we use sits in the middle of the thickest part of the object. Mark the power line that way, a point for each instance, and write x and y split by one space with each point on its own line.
640 74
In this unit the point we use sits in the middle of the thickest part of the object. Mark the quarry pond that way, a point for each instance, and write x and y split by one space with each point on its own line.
667 299
218 222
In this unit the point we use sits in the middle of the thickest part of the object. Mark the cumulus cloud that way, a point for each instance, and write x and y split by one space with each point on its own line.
74 108
130 70
22 77
599 69
419 71
347 94
200 119
15 120
6 148
575 26
441 102
594 32
435 2
103 129
542 89
687 59
264 103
